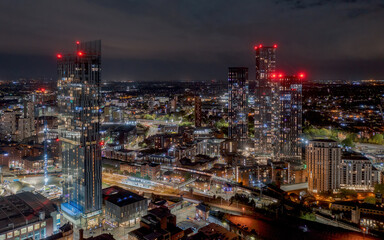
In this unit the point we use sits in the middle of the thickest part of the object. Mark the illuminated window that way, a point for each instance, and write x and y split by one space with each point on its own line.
37 226
23 230
30 228
43 224
10 235
16 233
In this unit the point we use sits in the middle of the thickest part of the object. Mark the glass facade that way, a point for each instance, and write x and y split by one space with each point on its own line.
238 104
79 115
291 110
266 98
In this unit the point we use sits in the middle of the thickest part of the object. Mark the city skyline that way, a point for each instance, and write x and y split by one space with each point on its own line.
190 120
161 41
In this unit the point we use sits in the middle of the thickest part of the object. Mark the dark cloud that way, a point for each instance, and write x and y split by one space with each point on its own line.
197 40
354 8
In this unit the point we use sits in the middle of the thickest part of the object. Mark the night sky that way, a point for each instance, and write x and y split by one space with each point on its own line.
195 40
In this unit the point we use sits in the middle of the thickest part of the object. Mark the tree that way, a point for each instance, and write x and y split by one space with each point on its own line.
149 117
378 139
186 124
348 142
370 200
344 193
379 188
222 125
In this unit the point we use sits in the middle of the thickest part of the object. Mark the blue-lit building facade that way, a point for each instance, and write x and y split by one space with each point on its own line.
78 101
238 104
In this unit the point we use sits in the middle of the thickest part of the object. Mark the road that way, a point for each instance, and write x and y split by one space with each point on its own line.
294 187
36 180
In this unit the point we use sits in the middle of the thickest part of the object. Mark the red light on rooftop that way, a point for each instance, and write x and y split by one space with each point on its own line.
275 46
301 75
59 56
77 42
101 143
260 46
273 76
280 75
255 47
80 54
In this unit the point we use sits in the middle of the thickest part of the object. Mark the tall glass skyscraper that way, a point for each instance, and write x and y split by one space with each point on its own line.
291 111
266 98
238 103
78 99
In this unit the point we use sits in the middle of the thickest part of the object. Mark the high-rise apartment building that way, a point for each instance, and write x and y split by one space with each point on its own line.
29 113
266 97
238 103
8 125
18 124
198 113
78 101
323 157
290 119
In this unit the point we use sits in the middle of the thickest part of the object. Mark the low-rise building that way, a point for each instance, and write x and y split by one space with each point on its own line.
152 170
160 223
27 215
364 214
202 211
130 168
160 158
210 147
214 231
165 141
122 207
65 233
169 128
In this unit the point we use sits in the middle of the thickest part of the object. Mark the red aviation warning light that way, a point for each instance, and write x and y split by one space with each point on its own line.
301 75
59 56
77 42
261 45
255 47
280 75
80 54
273 75
101 143
43 90
275 46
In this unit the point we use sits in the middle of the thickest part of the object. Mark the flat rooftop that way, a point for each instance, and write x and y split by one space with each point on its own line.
22 209
120 196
